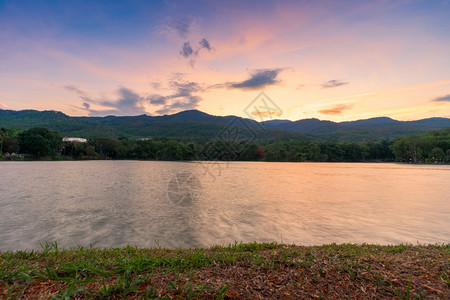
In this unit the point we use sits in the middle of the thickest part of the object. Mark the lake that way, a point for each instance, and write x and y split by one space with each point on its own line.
196 204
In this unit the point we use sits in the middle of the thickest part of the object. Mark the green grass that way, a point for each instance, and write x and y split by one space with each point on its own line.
233 271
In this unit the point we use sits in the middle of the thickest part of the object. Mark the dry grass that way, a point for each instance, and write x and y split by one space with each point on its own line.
239 271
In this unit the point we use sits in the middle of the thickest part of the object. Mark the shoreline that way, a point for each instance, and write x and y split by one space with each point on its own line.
226 161
238 271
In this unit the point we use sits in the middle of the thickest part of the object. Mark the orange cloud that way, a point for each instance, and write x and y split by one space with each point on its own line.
336 109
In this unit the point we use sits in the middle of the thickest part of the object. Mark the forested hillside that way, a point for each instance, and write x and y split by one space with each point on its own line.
198 126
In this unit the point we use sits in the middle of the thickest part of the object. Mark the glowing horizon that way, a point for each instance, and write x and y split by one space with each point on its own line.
326 60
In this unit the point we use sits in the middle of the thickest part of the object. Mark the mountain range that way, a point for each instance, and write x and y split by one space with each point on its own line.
197 125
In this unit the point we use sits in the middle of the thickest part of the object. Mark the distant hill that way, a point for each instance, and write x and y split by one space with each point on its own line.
368 129
197 125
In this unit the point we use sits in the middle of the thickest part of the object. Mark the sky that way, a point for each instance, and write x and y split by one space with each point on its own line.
331 60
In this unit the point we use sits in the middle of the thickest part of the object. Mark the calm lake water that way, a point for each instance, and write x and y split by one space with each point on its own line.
192 204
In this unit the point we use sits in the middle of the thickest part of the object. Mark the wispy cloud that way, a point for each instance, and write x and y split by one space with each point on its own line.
188 52
258 79
442 98
183 98
181 25
80 93
156 85
333 83
337 109
128 103
205 44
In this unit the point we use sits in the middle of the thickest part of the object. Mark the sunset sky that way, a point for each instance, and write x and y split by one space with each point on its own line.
331 60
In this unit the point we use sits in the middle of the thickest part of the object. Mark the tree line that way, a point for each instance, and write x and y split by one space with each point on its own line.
433 146
41 143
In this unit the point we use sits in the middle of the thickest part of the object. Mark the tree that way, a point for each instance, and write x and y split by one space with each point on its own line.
109 147
248 152
333 151
313 152
417 148
171 151
39 142
3 135
437 154
146 149
10 145
400 149
261 153
74 149
189 151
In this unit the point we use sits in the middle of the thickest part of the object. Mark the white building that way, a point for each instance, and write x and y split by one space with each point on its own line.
74 139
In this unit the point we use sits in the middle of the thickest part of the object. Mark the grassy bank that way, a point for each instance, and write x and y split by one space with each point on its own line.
238 271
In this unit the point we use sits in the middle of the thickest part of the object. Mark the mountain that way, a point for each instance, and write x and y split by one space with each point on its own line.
373 121
367 129
194 124
302 126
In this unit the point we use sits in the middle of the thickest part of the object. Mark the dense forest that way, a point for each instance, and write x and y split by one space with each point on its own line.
42 143
199 127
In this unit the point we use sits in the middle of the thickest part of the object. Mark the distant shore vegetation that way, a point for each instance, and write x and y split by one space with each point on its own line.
40 143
